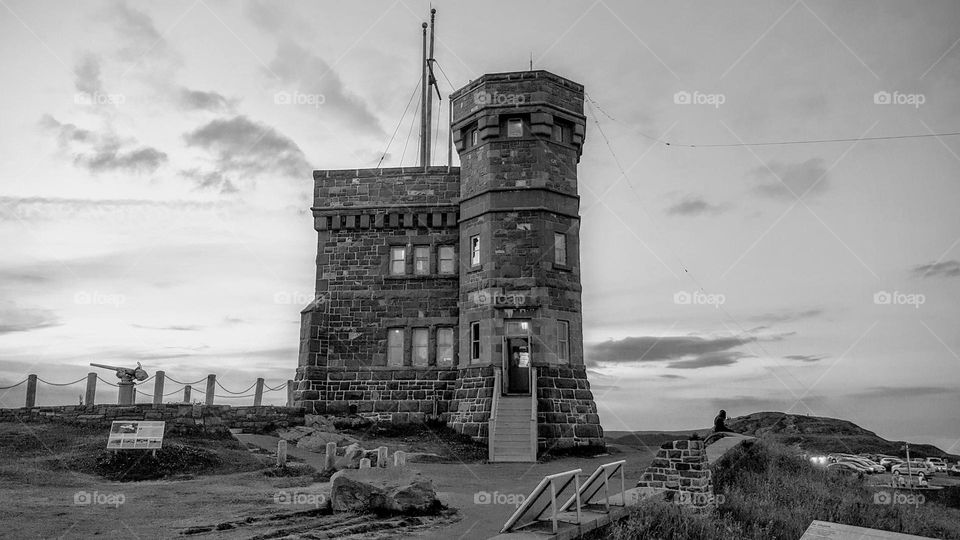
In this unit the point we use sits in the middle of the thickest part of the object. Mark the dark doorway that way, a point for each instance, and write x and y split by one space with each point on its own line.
518 365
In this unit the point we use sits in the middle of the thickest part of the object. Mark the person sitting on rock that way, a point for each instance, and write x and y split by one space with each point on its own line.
719 422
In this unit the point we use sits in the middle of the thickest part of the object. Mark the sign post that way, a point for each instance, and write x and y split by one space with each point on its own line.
136 435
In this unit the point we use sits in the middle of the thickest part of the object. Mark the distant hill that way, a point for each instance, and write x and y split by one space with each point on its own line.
810 433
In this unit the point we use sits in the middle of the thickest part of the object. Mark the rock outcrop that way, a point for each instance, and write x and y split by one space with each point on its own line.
382 490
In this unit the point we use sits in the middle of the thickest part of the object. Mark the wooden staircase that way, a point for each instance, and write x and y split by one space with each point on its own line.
512 429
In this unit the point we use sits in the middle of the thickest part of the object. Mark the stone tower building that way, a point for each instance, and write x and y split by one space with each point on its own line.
455 293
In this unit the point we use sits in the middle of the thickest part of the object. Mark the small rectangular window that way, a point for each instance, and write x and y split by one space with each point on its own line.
447 262
563 342
398 260
421 260
474 137
445 347
514 127
557 133
395 347
420 347
560 249
475 341
475 250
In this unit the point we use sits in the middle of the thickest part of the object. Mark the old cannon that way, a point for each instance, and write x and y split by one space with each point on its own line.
128 378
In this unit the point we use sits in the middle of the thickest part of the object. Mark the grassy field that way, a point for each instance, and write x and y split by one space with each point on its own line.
769 493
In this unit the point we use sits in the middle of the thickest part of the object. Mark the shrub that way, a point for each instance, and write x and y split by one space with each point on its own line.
769 493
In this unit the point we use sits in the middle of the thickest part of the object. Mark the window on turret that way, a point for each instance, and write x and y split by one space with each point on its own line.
475 341
515 127
562 131
421 260
475 250
444 347
563 342
398 260
395 347
420 347
446 265
560 249
474 137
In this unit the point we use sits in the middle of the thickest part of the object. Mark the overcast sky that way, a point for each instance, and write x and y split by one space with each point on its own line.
156 177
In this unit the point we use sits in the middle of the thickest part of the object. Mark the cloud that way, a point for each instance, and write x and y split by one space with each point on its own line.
694 205
685 352
175 327
243 147
897 393
310 75
787 316
140 41
724 358
672 376
59 208
210 180
18 319
805 357
265 16
196 100
87 75
789 181
103 152
949 268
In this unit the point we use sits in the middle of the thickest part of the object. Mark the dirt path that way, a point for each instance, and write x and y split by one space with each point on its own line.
53 504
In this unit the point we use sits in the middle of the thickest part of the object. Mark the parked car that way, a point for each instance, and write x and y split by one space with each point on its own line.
848 467
954 471
889 462
919 469
937 463
867 465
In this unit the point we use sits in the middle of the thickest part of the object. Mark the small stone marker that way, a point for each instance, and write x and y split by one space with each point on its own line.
382 456
399 458
365 463
281 453
331 456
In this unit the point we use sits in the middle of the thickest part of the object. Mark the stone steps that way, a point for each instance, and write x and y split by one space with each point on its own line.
512 430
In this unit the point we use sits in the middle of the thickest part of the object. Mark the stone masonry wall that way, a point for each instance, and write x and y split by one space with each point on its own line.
566 412
406 395
180 418
680 469
472 402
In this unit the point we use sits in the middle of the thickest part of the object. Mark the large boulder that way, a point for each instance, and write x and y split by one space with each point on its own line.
294 434
317 441
323 423
351 457
382 490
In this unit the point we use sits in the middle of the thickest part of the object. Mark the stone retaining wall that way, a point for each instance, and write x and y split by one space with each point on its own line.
681 471
180 418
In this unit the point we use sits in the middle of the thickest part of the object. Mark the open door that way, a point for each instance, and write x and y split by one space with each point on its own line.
517 367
